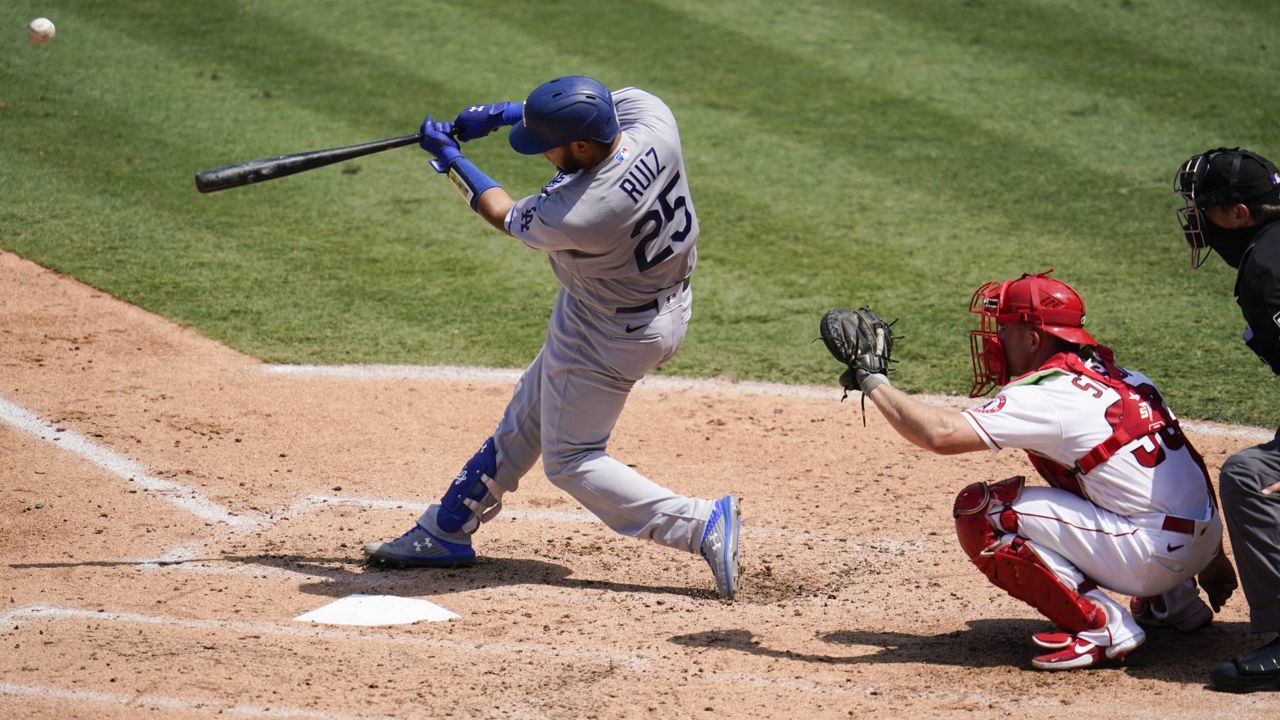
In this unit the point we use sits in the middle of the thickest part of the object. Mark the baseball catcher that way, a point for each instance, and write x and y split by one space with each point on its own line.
1129 506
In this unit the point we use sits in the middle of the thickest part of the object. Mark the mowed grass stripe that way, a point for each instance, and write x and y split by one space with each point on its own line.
894 155
1027 171
256 256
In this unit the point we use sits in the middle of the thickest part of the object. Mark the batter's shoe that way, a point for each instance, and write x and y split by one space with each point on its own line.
719 545
1258 670
1083 654
1151 614
419 548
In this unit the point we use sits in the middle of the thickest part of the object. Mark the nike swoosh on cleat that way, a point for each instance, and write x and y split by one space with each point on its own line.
1171 547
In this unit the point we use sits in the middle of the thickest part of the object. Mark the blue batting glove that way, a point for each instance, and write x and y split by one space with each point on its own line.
437 139
479 120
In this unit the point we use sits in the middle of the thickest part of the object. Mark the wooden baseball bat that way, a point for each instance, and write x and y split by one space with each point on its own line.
270 168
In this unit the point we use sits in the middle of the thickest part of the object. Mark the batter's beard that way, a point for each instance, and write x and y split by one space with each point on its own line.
571 166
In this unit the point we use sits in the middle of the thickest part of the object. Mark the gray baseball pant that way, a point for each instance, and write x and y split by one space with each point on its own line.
1253 523
564 409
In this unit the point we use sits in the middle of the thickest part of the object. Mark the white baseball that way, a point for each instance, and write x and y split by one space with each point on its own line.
41 31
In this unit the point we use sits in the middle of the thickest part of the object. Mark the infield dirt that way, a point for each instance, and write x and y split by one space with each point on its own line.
173 593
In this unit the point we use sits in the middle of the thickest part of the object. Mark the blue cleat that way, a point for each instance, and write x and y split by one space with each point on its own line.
419 548
720 544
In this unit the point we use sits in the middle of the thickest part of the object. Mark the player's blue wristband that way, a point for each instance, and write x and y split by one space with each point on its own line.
513 113
470 181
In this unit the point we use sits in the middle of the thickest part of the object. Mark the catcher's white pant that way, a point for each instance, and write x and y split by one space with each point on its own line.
568 400
1129 554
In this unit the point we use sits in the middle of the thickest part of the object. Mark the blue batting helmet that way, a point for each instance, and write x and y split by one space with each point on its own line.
559 111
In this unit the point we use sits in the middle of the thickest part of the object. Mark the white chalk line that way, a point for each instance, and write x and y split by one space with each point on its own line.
636 661
122 467
508 376
162 702
194 502
669 383
27 613
186 557
313 503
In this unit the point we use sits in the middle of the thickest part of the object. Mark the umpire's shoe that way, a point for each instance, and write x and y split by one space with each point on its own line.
719 545
1258 670
419 548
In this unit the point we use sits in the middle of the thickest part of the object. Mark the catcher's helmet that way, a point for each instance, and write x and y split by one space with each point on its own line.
1039 300
1222 176
574 107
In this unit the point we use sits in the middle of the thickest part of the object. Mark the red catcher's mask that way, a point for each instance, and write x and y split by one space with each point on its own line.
1037 300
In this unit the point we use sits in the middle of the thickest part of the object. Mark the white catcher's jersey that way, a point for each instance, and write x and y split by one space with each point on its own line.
620 232
1062 416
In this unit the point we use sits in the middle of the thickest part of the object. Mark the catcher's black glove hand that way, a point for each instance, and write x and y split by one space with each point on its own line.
1218 579
860 340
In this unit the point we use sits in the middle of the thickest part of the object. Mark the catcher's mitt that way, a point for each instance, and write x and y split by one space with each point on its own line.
860 340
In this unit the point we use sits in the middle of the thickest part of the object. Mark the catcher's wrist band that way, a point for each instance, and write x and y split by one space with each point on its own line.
870 382
469 180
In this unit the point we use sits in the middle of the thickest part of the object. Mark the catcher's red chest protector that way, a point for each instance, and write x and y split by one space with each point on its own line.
1140 412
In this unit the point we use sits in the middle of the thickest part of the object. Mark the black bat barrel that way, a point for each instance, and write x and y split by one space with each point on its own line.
247 173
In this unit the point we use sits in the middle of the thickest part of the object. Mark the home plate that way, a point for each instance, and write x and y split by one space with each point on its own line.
377 610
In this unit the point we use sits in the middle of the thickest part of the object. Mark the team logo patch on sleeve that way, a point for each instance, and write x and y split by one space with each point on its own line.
993 405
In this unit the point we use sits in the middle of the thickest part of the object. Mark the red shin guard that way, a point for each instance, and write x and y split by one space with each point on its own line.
1014 566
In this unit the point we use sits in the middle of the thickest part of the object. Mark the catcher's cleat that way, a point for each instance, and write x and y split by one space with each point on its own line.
1053 639
419 548
1083 654
1151 614
719 545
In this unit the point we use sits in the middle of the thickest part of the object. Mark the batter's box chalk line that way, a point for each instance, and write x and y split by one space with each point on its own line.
639 662
122 467
198 705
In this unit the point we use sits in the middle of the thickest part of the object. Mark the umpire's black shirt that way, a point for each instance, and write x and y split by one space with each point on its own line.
1258 294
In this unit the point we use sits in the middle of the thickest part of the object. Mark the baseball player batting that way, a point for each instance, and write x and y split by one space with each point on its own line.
618 225
1130 506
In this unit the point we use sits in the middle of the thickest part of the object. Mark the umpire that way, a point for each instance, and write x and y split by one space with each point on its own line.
1232 207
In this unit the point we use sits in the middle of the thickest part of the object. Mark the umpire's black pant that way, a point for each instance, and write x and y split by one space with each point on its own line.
1253 522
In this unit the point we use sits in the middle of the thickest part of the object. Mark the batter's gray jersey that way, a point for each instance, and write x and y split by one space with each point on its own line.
620 237
619 233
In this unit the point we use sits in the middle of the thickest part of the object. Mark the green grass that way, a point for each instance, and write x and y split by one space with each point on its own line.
890 152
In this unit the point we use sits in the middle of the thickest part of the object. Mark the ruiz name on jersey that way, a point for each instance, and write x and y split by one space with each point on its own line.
640 177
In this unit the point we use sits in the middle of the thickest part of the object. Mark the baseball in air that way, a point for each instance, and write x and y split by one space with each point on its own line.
41 31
